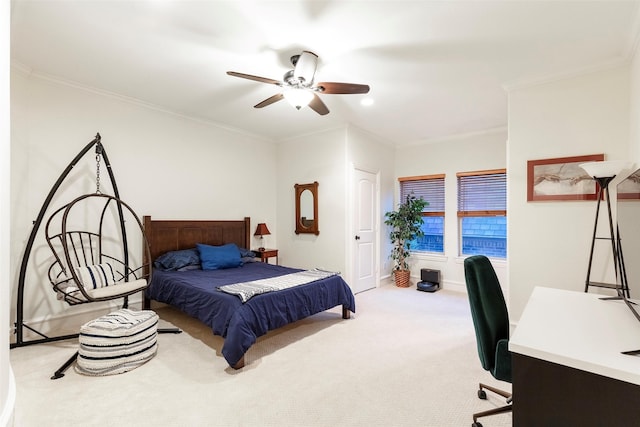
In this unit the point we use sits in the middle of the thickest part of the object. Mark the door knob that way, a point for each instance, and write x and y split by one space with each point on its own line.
357 237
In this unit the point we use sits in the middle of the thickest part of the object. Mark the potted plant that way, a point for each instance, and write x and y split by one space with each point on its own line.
405 224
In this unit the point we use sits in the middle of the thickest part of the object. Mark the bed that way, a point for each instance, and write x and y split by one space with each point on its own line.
197 292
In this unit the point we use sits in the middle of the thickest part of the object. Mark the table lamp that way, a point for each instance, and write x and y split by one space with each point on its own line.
261 230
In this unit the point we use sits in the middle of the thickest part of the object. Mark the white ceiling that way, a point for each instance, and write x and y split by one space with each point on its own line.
436 68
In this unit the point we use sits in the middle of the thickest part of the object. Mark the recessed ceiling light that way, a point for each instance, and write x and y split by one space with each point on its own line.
366 102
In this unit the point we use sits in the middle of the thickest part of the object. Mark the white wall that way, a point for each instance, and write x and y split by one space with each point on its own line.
634 137
328 157
7 384
481 151
317 157
165 165
549 241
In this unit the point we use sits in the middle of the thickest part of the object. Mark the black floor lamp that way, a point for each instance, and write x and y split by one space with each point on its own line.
603 173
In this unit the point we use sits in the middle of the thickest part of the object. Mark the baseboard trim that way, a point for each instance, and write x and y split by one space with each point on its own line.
69 322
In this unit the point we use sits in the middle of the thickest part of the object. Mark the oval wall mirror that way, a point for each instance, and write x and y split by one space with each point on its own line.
307 208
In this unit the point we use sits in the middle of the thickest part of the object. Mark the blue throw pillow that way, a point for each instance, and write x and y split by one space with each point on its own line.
178 260
246 253
218 257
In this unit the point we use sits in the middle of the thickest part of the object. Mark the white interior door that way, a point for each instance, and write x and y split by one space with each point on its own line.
365 247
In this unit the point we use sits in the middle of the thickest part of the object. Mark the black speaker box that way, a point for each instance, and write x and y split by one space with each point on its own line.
430 280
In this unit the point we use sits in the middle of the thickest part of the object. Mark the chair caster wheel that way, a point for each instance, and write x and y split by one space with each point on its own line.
481 395
476 424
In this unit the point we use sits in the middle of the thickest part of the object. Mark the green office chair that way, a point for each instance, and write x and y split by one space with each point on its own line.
491 323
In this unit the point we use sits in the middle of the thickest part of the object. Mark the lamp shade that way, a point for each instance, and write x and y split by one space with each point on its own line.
298 97
261 230
606 169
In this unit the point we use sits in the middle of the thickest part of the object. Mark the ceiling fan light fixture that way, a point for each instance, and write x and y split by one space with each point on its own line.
305 66
298 97
298 86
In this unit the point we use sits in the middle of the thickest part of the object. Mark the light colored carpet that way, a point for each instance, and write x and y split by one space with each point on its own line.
406 358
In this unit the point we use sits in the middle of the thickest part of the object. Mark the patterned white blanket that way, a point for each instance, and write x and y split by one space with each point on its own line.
247 290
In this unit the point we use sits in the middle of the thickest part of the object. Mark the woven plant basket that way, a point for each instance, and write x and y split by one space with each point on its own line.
402 278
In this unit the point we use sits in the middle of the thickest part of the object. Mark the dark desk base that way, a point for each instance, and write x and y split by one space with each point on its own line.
548 394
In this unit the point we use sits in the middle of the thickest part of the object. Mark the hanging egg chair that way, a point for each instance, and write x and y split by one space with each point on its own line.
89 238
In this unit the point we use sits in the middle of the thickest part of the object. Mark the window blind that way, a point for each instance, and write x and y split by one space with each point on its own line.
482 193
430 188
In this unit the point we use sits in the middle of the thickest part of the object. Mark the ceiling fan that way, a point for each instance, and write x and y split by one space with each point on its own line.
299 88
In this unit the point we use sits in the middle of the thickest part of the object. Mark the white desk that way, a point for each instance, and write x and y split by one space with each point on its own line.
567 363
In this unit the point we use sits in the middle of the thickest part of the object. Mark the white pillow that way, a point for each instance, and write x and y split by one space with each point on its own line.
96 276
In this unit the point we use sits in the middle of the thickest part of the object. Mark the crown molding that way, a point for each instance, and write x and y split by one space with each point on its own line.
31 73
378 138
629 51
20 68
540 80
456 137
314 132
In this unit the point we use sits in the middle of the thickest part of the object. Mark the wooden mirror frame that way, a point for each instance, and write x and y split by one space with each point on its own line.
301 227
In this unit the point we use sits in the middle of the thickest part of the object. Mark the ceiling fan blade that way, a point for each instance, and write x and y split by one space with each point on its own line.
255 78
318 106
305 67
275 98
342 88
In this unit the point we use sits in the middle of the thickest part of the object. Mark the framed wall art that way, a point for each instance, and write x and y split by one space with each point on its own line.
629 188
561 178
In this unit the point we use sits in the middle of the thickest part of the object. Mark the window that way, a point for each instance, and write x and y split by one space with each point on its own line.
431 189
482 213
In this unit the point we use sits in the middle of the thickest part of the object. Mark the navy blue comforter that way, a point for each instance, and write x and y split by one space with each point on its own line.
195 293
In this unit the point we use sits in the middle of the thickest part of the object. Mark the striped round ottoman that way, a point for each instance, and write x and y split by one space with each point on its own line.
117 342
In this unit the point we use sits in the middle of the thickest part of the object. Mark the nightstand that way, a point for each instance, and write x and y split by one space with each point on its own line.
266 254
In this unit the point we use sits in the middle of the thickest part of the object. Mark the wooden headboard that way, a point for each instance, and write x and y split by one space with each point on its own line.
173 235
